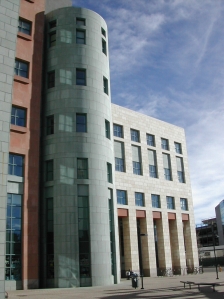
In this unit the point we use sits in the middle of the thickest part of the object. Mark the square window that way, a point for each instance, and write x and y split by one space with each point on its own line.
24 26
80 21
52 39
155 201
51 79
81 122
82 168
150 139
80 77
183 204
118 131
139 199
107 129
121 197
170 202
135 135
104 46
49 170
18 116
109 173
103 32
52 24
178 148
164 144
80 37
105 85
16 165
21 68
50 124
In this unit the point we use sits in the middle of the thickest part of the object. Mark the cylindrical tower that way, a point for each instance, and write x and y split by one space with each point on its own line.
78 158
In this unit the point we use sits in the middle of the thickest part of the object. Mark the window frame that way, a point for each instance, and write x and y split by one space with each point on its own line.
135 133
80 81
139 200
103 32
19 70
20 26
150 142
184 204
115 127
80 21
85 170
156 202
84 125
49 170
123 200
52 24
105 86
104 46
15 166
18 118
109 173
178 148
107 129
52 43
51 79
170 204
82 39
165 146
50 124
137 170
119 164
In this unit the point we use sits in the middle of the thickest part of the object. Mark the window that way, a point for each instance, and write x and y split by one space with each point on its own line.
118 131
103 32
50 124
104 46
167 167
170 202
24 26
109 173
82 168
80 21
52 39
80 37
136 167
183 204
107 129
139 199
16 165
21 68
13 237
105 85
135 135
49 170
178 148
119 156
18 116
50 234
155 201
80 77
180 170
164 144
81 122
52 24
119 164
51 79
150 139
121 197
136 160
152 164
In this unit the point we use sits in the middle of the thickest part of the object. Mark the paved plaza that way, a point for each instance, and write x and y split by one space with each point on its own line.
158 287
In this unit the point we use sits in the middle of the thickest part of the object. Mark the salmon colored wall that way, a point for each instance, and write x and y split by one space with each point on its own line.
27 94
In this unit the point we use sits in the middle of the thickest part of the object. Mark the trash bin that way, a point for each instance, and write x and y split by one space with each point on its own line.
134 280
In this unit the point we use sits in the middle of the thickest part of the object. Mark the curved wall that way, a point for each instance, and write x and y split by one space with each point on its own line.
65 145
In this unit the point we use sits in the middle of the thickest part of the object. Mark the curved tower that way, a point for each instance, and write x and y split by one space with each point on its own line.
78 158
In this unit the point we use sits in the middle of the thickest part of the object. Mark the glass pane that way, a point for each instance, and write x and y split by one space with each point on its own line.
83 201
16 224
16 212
16 236
17 198
83 213
80 119
8 248
83 224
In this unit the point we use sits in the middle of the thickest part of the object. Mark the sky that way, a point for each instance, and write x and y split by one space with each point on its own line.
167 61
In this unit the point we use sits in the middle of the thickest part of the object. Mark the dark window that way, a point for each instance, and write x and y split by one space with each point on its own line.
80 77
50 124
118 131
150 139
119 164
51 79
155 201
81 122
21 68
103 32
104 46
80 36
137 168
52 39
18 116
24 26
105 85
49 170
183 204
16 165
178 148
80 21
164 144
170 202
121 197
107 128
109 173
134 135
52 24
139 199
82 168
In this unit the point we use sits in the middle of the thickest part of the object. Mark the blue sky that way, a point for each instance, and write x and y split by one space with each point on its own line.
167 61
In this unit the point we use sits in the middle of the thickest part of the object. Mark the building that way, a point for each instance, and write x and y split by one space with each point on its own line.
219 211
81 179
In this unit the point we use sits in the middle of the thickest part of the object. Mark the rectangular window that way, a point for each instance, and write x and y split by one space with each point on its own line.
105 85
118 131
50 234
104 46
103 32
18 116
155 201
49 170
81 122
52 24
21 68
80 37
50 124
82 168
80 21
121 197
107 129
119 156
119 164
16 165
109 173
135 135
183 204
180 170
170 202
136 160
13 237
178 148
52 39
152 164
167 167
80 77
24 26
51 79
150 139
139 199
165 144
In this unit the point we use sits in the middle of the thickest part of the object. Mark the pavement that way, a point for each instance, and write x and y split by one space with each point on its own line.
154 287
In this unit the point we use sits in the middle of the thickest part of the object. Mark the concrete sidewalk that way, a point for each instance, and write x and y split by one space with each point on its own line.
158 287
